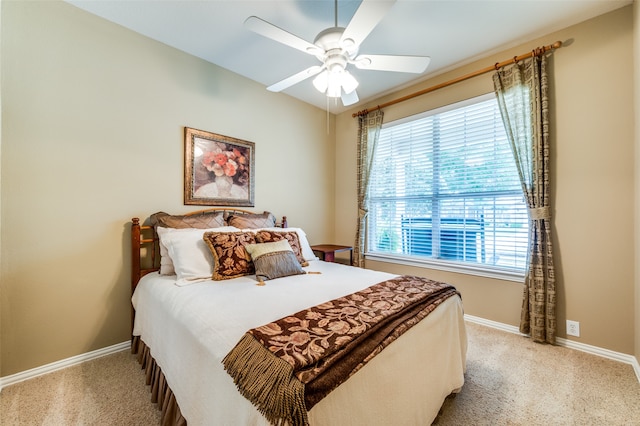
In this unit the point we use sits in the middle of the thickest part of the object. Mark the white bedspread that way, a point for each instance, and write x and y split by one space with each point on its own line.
190 329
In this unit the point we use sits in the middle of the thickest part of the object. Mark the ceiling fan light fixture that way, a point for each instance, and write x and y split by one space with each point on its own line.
334 90
321 82
349 82
332 83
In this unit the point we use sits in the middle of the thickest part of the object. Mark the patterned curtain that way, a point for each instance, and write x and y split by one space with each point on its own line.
368 132
522 91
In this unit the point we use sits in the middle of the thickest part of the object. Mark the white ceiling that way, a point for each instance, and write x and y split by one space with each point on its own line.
451 32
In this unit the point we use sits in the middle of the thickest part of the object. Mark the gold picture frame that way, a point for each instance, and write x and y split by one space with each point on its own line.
219 170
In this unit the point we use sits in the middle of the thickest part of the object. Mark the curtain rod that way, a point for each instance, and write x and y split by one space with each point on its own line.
535 52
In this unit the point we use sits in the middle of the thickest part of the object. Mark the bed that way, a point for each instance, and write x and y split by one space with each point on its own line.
184 328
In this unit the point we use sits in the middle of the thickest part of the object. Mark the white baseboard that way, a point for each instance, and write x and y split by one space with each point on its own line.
58 365
594 350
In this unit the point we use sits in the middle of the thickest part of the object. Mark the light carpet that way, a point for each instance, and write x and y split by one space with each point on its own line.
104 391
512 381
509 381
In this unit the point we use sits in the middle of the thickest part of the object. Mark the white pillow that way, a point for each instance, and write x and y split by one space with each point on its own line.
166 262
307 253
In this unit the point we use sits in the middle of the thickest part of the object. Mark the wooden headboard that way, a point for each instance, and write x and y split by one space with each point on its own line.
145 249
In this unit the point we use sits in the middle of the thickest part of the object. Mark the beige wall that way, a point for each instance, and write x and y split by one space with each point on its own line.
92 130
593 181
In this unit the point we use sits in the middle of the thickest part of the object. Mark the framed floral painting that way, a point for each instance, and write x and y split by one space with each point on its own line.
218 170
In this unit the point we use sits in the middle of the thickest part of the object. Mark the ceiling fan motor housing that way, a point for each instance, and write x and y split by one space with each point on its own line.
335 55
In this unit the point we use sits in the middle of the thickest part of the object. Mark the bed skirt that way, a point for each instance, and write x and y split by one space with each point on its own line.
161 393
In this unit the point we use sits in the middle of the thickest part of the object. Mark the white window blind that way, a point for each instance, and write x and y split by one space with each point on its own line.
444 186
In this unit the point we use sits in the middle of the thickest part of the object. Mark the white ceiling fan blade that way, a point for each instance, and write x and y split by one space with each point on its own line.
268 30
412 64
349 98
368 15
296 78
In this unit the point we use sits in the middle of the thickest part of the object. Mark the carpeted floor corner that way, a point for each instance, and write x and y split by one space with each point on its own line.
105 391
512 381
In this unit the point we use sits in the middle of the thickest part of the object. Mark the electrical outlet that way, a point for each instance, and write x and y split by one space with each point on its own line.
573 328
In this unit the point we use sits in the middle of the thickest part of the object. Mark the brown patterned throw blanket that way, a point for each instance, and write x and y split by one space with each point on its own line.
285 367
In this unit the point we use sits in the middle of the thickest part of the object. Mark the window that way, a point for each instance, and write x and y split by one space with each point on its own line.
445 190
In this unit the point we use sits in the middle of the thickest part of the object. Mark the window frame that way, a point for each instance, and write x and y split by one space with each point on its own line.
448 265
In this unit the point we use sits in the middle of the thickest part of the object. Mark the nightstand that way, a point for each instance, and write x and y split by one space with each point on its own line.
327 252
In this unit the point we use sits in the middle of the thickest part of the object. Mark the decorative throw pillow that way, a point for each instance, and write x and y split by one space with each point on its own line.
274 260
204 220
166 263
305 247
230 259
252 221
267 236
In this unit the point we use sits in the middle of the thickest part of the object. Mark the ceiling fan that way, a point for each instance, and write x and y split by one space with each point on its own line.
337 47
